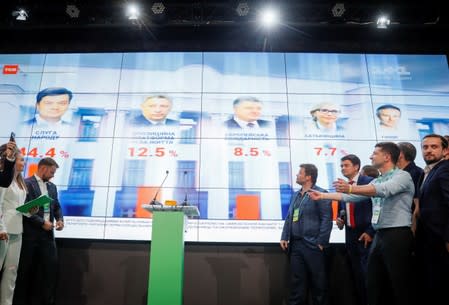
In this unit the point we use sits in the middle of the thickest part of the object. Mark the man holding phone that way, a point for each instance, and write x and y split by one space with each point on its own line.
7 162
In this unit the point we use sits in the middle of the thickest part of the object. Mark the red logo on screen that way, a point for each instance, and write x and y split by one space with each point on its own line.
10 69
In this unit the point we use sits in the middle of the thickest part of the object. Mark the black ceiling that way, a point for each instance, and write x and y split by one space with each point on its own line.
417 27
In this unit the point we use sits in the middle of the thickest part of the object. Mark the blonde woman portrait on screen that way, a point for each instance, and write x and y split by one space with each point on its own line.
324 120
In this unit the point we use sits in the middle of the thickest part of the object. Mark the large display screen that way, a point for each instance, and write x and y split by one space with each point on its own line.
113 156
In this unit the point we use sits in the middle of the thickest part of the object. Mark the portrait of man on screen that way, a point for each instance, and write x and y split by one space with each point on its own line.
52 109
154 112
247 114
393 125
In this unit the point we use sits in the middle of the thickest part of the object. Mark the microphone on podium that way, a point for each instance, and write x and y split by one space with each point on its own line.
154 201
184 203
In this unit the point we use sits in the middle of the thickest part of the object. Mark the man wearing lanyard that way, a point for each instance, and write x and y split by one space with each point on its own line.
306 232
389 262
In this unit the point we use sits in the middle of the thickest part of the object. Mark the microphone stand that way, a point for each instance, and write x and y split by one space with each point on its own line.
154 201
184 203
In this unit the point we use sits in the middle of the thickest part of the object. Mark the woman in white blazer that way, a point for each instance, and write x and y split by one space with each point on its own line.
11 229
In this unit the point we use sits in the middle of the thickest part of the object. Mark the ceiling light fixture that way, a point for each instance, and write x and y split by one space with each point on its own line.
242 9
72 10
20 14
338 9
269 17
158 8
383 22
132 12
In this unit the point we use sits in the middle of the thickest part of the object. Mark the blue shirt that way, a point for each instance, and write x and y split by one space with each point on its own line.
394 197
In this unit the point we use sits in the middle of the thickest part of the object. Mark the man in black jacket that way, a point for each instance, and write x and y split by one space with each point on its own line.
432 231
355 217
38 252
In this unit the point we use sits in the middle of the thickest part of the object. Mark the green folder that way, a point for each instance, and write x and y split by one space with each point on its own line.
39 201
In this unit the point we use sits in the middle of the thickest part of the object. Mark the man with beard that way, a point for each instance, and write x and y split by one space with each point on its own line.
306 233
432 232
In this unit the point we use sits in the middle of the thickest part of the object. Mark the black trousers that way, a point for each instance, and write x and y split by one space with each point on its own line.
358 261
390 267
37 267
308 271
433 265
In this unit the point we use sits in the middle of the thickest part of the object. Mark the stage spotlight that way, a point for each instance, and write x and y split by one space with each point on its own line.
242 9
383 22
132 12
20 14
158 8
72 10
338 9
269 17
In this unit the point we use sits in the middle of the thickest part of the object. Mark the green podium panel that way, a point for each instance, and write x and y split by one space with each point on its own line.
166 259
166 277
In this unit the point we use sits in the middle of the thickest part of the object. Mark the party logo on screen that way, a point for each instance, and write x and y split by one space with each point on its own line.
392 72
10 69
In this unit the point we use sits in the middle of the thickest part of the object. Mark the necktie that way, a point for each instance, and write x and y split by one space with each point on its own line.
427 170
350 206
250 125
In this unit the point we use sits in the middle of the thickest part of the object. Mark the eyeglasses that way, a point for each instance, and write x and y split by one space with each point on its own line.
329 111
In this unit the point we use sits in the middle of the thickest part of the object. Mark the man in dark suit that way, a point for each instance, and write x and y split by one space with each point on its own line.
432 232
7 164
359 233
247 111
51 105
406 162
155 110
38 256
306 233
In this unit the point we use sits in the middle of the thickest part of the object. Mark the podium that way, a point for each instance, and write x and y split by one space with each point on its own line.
167 253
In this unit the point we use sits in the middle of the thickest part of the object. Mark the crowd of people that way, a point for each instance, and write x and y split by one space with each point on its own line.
394 213
396 221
